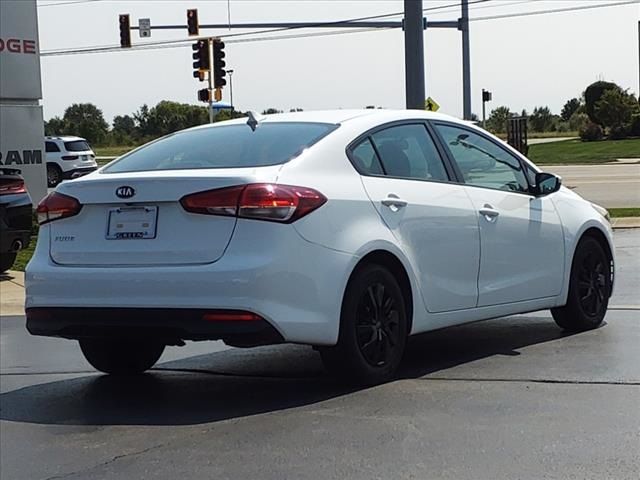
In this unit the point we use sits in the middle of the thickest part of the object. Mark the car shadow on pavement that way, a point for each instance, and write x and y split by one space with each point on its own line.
237 383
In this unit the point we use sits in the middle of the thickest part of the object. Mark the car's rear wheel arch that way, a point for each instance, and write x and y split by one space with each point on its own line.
389 261
597 235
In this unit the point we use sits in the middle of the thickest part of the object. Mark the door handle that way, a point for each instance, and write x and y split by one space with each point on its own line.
393 200
489 212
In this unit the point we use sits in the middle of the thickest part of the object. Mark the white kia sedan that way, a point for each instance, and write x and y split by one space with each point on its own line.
344 230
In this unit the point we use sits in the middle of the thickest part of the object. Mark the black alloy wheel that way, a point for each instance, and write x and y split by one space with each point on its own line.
373 329
589 288
377 325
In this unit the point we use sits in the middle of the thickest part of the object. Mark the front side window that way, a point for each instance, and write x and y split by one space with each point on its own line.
228 146
408 151
482 162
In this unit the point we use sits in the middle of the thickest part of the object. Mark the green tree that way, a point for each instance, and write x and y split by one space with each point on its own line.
124 124
592 95
85 120
270 111
296 109
228 114
615 110
167 117
569 109
497 121
541 120
55 126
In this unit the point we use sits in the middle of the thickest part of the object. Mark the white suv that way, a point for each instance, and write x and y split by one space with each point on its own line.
68 157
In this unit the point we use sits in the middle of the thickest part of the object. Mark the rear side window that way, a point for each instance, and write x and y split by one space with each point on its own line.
230 146
51 147
408 151
365 159
77 146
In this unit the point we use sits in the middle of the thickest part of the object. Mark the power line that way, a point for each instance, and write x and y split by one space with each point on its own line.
108 48
57 4
186 42
556 10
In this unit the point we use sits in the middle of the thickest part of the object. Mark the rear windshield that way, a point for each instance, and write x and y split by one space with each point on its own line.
227 146
77 146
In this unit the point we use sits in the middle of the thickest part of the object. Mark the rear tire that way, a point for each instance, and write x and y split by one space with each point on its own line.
54 175
589 288
6 260
373 329
121 357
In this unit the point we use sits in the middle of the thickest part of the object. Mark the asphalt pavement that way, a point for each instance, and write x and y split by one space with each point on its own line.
512 398
610 185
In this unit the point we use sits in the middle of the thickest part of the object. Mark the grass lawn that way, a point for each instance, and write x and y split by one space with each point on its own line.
577 152
112 151
624 212
24 256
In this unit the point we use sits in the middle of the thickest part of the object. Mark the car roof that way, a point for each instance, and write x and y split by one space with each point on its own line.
65 138
344 117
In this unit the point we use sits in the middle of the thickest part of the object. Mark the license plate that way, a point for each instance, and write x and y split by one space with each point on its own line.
132 223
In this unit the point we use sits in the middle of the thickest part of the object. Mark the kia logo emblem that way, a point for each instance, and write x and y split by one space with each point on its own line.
125 192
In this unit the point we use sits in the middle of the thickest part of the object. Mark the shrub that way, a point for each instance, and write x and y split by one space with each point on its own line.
591 132
634 130
578 121
618 132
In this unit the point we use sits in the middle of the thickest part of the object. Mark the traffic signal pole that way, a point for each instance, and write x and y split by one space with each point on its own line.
414 54
209 50
466 61
414 25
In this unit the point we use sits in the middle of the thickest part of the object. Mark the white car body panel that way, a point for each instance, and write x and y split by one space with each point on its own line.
294 275
522 247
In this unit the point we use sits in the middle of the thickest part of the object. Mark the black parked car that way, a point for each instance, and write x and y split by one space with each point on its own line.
15 216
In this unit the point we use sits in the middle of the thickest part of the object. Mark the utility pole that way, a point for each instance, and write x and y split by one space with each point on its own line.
466 61
486 97
414 54
638 60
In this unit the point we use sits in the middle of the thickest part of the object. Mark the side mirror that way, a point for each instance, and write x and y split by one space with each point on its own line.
547 183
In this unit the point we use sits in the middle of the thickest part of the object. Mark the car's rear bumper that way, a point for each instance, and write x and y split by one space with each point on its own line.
268 269
78 172
168 325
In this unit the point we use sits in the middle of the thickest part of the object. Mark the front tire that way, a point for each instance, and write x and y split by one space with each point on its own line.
121 357
589 289
373 329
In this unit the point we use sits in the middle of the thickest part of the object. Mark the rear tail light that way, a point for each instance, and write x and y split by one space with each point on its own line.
12 187
69 157
260 201
56 206
230 316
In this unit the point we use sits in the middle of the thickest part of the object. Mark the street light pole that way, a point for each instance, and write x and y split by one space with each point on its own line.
230 72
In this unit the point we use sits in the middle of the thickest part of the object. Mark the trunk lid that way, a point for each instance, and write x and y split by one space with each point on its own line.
148 226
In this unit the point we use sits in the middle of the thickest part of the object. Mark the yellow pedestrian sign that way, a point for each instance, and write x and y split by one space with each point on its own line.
431 105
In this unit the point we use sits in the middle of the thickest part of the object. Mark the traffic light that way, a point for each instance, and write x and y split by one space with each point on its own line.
486 96
125 33
192 22
201 57
204 95
218 64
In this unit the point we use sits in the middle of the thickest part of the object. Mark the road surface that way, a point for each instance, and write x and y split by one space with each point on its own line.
612 185
501 399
